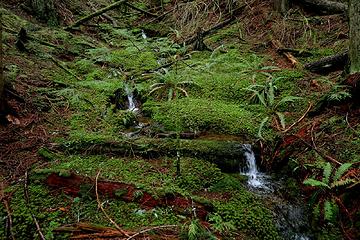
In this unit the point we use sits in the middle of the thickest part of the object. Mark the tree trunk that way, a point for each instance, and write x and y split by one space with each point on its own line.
354 53
354 49
281 6
2 80
45 10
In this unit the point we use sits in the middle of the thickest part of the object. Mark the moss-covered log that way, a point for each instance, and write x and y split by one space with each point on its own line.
228 155
325 6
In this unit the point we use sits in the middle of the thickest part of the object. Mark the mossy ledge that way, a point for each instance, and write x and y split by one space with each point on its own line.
227 155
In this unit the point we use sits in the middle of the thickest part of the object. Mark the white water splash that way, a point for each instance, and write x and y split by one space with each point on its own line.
143 35
256 179
131 106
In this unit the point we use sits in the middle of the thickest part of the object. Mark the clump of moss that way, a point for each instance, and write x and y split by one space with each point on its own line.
200 115
247 213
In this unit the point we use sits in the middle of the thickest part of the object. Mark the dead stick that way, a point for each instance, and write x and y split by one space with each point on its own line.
57 63
140 10
103 210
317 151
150 229
97 13
27 200
7 208
299 120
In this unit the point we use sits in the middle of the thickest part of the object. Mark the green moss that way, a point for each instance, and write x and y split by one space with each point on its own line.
41 206
247 213
200 115
198 174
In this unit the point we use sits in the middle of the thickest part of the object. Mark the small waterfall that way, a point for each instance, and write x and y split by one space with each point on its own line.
130 96
290 218
143 35
256 179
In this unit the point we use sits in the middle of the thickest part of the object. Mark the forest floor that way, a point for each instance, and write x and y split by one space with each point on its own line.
76 163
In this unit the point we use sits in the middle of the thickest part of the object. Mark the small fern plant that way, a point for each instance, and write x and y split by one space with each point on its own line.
169 87
325 200
265 95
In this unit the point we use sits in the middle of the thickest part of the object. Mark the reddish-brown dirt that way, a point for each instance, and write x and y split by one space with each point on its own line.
127 192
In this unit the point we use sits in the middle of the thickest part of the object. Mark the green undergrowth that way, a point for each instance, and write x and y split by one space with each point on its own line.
202 115
53 210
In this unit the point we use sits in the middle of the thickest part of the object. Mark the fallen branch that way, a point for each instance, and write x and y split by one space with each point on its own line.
325 6
95 14
106 16
298 52
103 210
27 200
210 30
299 120
328 64
57 63
29 37
140 10
326 157
150 229
277 45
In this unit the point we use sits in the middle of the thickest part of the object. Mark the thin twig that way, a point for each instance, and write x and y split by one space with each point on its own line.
326 157
299 120
150 229
140 10
27 200
103 210
9 218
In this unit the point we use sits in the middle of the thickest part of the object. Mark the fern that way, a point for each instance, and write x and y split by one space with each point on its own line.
262 124
315 183
330 210
281 118
316 211
327 173
341 170
342 183
338 93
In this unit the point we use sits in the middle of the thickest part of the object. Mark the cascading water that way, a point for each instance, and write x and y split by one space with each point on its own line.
131 101
290 218
143 35
255 178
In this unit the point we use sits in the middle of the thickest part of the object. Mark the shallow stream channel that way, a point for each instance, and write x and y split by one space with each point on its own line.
291 217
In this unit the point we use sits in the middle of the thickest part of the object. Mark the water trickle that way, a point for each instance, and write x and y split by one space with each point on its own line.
143 35
131 101
256 179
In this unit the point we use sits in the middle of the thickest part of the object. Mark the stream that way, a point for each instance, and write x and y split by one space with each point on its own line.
290 218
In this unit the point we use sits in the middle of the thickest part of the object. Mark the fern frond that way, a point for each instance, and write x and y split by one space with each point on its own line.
261 97
330 210
341 170
183 91
287 99
155 89
327 173
271 94
170 94
262 124
342 183
315 183
316 211
282 119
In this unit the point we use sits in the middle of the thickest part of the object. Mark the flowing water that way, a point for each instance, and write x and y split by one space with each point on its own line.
131 101
290 218
256 179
